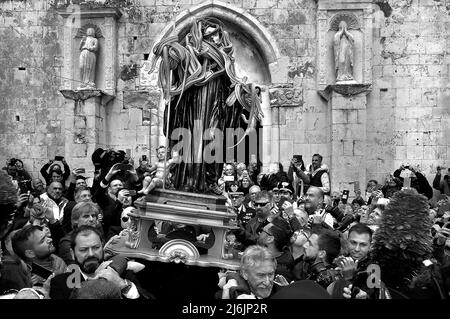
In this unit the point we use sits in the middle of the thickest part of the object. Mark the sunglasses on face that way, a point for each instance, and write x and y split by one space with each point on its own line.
125 219
261 204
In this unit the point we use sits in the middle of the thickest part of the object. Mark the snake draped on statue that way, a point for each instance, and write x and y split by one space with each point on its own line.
197 72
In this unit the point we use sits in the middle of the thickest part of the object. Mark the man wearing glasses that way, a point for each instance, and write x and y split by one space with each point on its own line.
275 236
249 234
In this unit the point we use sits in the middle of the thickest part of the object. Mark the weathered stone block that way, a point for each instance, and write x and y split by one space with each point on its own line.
414 152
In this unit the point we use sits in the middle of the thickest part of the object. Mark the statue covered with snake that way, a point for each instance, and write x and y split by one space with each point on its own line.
202 91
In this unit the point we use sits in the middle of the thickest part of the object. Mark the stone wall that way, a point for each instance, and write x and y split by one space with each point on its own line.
407 109
408 117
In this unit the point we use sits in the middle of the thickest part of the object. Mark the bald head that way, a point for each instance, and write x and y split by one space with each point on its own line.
314 199
54 190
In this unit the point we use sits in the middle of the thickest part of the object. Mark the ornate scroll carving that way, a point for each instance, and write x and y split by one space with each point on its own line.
350 18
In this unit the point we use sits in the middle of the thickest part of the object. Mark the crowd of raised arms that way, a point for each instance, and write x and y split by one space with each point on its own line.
296 238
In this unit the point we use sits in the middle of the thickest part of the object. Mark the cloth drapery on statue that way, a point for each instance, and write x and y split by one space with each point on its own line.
205 93
88 59
343 53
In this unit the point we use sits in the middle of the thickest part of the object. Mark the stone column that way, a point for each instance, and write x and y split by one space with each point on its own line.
348 135
346 99
84 125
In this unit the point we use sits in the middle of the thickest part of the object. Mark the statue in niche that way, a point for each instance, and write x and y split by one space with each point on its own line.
88 59
343 53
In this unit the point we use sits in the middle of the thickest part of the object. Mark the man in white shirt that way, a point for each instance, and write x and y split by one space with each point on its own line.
55 200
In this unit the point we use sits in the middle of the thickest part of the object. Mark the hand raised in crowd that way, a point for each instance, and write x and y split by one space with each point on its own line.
347 266
112 171
226 288
23 198
288 208
347 294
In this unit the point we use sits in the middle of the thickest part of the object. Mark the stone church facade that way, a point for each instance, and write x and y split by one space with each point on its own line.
397 109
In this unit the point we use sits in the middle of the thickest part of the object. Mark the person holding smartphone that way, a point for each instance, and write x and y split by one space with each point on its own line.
52 166
316 174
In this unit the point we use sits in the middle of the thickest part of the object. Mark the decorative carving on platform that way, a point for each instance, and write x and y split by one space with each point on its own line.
179 251
133 233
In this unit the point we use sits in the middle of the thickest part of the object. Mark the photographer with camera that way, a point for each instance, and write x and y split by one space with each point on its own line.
418 181
14 168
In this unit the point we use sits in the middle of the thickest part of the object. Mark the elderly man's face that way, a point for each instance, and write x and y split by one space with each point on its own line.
88 218
38 185
260 278
84 196
55 190
252 193
313 199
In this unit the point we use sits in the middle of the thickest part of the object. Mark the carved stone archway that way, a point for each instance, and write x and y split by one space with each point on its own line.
260 39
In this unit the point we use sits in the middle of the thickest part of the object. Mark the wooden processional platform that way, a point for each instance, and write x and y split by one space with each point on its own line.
141 240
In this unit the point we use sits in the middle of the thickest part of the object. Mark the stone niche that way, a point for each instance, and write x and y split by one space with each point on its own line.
358 16
76 22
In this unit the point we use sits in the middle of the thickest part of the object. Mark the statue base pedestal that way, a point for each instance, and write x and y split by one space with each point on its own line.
348 134
345 88
84 125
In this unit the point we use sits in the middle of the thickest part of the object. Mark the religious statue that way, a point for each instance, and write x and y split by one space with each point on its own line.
88 59
343 53
202 92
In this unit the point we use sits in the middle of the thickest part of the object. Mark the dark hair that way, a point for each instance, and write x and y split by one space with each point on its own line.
97 289
281 231
372 180
83 231
329 241
358 201
57 171
361 229
319 156
19 240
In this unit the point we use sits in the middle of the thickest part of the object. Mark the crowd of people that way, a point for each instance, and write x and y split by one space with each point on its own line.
296 237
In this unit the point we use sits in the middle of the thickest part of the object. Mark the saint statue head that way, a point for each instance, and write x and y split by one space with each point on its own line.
342 25
90 32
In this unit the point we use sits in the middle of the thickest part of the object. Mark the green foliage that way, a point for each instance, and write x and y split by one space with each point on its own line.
404 238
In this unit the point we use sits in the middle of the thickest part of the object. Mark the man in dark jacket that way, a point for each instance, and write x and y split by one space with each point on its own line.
442 183
87 250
